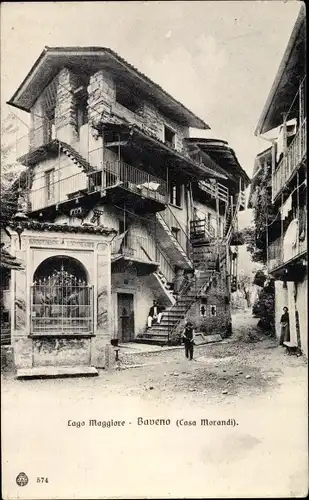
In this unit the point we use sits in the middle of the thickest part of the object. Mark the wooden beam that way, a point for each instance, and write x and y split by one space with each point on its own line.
116 143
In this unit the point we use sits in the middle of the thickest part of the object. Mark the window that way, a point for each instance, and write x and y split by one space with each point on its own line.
126 98
175 194
169 136
213 310
176 233
49 184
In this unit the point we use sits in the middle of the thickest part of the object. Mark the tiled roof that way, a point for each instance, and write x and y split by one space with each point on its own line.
76 157
33 157
222 154
34 225
71 56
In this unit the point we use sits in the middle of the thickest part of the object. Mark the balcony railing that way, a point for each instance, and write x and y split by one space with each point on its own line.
119 174
135 247
210 188
279 253
201 229
291 160
167 216
58 191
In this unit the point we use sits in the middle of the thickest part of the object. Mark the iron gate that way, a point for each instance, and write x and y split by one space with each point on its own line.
61 304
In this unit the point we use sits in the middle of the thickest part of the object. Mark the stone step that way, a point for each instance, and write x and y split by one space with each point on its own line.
57 371
160 334
153 341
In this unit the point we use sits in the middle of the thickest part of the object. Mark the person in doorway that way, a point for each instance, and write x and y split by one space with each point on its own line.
188 339
155 314
285 326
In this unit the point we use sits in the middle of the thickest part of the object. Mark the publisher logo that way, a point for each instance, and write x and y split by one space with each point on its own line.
22 479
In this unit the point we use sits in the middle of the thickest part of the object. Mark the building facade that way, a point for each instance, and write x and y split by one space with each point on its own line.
118 206
284 116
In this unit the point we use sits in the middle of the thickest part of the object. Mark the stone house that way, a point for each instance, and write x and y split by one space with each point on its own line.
285 165
118 205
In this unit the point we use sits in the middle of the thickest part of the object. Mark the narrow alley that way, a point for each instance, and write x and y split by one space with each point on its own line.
247 378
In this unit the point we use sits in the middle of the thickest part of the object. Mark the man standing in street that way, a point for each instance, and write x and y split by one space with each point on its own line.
188 338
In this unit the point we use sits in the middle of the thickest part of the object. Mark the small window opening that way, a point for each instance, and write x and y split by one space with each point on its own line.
169 136
126 98
175 194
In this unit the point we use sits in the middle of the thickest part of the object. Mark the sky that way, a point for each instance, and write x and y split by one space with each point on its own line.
219 58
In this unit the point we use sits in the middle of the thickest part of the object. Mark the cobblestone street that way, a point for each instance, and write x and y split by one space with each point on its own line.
247 378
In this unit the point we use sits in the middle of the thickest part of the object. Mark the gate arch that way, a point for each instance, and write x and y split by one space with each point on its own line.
61 298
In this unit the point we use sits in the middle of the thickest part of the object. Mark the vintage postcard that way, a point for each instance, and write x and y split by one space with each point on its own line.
153 215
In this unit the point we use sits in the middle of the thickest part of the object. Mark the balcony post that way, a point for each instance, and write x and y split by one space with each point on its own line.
301 118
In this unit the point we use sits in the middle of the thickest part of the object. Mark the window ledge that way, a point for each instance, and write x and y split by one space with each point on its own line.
61 335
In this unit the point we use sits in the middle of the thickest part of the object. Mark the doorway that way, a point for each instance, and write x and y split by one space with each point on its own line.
125 317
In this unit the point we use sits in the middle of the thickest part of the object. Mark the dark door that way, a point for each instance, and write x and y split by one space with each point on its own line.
125 317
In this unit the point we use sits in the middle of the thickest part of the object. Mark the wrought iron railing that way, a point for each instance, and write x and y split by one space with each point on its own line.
61 308
292 158
120 174
168 218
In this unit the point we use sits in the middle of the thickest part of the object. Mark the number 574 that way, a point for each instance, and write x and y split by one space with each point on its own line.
42 479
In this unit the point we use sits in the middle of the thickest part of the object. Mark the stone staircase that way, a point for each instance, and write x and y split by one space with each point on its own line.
160 333
167 287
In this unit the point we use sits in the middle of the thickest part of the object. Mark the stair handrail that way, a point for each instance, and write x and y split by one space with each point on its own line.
209 280
187 247
189 304
166 261
234 219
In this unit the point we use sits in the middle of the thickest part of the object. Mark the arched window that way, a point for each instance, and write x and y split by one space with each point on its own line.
62 301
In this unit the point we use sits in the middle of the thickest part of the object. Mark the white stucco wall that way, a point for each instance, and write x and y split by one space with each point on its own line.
302 307
67 178
143 298
281 301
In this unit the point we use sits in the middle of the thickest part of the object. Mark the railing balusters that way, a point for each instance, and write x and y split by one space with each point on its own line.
132 179
291 159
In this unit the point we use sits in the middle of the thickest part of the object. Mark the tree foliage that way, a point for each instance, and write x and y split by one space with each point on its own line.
265 307
264 214
10 169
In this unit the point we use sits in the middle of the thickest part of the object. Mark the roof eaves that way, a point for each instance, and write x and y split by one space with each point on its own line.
280 72
121 60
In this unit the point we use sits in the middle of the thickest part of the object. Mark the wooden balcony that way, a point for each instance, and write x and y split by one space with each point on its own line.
211 189
292 159
123 183
135 249
280 256
201 231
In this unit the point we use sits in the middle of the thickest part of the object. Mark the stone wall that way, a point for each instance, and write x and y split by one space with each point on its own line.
302 308
102 103
101 96
66 107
